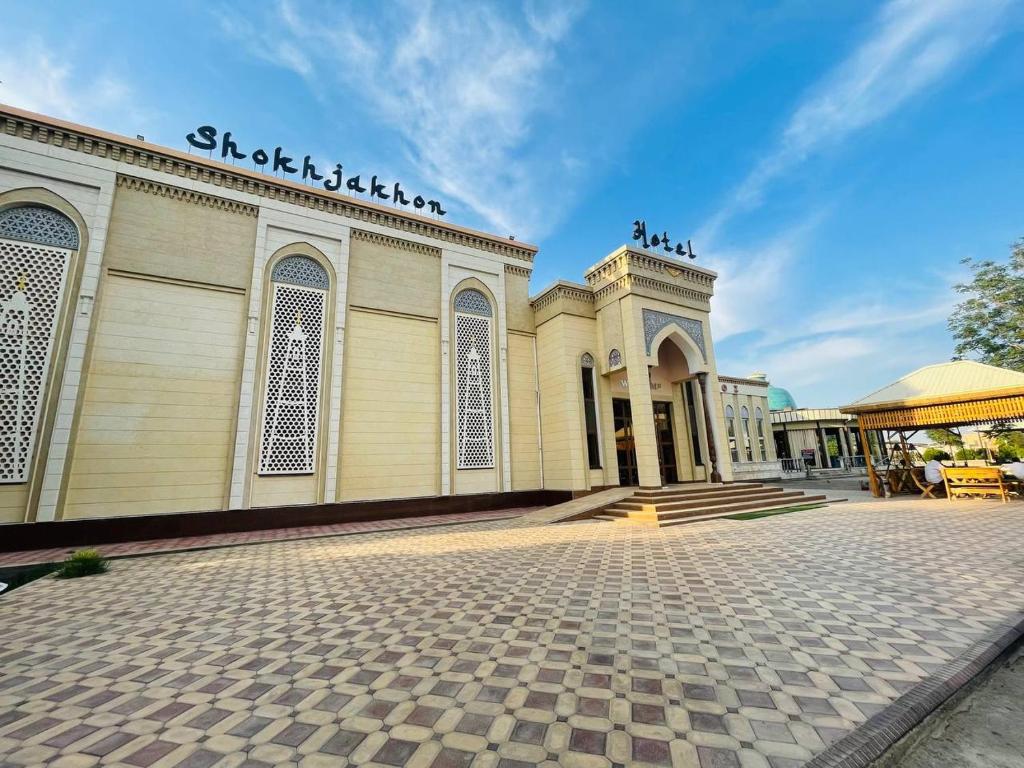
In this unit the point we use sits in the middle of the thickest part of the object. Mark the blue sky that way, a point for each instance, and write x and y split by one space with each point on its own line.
833 161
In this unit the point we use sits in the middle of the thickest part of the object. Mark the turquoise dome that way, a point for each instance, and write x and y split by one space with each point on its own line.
779 399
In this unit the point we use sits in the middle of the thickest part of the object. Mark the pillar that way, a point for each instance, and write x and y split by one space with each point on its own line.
709 425
824 461
640 403
876 487
844 442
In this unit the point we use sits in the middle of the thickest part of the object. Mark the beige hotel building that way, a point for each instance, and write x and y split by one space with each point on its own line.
181 335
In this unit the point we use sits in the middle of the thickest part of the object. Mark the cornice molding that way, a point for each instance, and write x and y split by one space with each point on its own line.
77 138
147 186
627 282
740 380
394 242
557 292
515 269
626 261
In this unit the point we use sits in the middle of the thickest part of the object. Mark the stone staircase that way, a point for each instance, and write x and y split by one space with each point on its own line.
693 502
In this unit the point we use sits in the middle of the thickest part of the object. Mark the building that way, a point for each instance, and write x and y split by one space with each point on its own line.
181 334
815 438
747 412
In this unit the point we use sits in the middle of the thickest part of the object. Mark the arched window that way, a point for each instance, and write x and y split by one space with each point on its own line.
474 414
730 423
36 248
748 449
762 448
291 400
590 410
614 359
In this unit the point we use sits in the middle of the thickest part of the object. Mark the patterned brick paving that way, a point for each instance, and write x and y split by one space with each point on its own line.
714 645
153 546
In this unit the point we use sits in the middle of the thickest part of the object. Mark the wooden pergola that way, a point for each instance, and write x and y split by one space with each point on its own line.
956 394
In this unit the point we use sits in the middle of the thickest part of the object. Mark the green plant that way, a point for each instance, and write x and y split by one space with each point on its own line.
968 454
85 562
756 515
935 454
989 322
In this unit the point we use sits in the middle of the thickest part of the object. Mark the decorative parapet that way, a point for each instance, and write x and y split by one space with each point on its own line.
562 290
627 261
740 380
130 152
515 269
627 282
186 195
387 241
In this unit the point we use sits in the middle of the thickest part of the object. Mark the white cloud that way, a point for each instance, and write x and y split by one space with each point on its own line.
34 77
751 279
830 342
459 84
911 46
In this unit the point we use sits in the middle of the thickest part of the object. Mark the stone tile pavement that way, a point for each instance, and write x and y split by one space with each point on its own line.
716 645
178 544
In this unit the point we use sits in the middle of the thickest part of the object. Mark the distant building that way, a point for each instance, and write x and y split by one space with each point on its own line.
820 438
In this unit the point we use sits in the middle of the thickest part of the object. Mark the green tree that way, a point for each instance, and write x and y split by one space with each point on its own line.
1010 445
944 437
989 322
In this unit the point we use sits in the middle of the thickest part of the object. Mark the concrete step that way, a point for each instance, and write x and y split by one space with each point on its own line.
698 499
690 489
711 513
806 500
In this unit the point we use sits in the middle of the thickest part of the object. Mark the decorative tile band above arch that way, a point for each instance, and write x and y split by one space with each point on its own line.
301 270
472 302
37 224
654 321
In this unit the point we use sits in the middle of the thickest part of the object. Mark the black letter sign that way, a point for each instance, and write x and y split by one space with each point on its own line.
209 135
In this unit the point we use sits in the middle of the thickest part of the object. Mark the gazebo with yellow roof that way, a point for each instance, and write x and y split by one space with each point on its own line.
954 394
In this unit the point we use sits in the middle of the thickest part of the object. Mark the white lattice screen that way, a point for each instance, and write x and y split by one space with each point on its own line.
474 414
32 280
291 404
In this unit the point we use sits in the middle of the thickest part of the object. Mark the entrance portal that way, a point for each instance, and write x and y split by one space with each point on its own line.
666 442
625 447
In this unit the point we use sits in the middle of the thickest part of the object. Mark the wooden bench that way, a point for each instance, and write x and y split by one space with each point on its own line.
974 481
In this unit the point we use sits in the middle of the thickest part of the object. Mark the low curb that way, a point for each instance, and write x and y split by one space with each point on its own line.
864 746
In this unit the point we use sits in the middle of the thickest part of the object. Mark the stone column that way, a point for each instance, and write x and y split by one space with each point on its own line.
844 441
640 402
825 461
709 425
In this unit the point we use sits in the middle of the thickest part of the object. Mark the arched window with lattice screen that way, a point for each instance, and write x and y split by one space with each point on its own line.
36 248
295 349
474 415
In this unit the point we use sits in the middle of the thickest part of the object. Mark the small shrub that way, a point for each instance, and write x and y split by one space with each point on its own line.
85 562
936 454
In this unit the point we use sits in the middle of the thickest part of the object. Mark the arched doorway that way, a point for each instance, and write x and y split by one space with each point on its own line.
677 436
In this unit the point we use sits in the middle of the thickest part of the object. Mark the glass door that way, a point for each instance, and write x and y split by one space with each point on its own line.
666 442
625 447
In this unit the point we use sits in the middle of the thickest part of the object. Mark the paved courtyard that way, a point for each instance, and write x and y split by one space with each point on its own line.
716 645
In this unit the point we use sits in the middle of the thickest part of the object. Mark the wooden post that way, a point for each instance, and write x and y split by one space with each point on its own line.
876 488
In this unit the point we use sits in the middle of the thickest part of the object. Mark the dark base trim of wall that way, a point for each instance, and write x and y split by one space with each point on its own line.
113 530
594 489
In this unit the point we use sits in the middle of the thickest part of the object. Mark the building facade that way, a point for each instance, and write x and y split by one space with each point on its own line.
183 335
748 428
811 438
